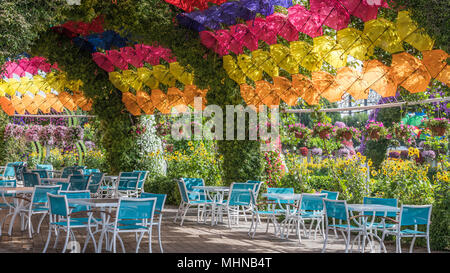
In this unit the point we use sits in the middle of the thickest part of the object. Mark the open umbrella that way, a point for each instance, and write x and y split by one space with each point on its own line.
305 21
176 99
306 88
144 101
160 101
7 106
326 86
282 56
351 81
232 69
163 75
283 87
103 61
129 100
117 59
409 31
383 33
379 79
279 24
409 72
181 74
132 57
333 13
306 56
355 43
263 60
331 52
249 68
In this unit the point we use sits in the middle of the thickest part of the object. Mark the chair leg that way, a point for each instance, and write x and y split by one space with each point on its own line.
184 214
325 240
48 239
30 226
150 239
57 237
67 240
428 243
347 242
40 222
159 235
138 241
412 244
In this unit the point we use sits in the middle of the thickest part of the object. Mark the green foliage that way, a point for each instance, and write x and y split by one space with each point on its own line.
164 185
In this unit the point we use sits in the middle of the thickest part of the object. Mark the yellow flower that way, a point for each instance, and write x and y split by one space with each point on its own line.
190 143
369 163
374 173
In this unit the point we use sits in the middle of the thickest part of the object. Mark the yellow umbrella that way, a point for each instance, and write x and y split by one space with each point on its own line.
409 32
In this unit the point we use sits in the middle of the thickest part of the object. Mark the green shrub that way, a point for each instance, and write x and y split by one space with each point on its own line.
165 185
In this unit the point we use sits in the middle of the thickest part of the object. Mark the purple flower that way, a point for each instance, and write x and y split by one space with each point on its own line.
394 155
343 152
32 133
429 154
340 124
316 151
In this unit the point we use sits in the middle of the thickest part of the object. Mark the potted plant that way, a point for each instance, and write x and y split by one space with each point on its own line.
347 133
323 130
401 132
438 126
375 130
299 131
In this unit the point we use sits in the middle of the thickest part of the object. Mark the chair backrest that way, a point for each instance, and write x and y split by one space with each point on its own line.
332 195
381 201
258 185
194 194
58 205
18 170
67 171
9 170
31 179
281 190
136 209
336 209
239 194
77 195
183 191
41 173
142 178
78 182
90 171
95 182
40 193
312 202
64 185
8 183
415 215
160 200
128 180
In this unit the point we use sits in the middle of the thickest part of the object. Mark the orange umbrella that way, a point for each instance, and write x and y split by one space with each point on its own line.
176 99
409 72
267 94
67 101
306 87
191 91
160 101
130 103
18 105
377 76
283 87
435 62
144 101
326 86
251 96
7 106
54 102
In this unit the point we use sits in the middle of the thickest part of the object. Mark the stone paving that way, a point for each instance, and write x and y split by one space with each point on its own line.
192 237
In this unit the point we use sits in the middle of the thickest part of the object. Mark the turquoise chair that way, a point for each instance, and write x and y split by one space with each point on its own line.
141 182
393 202
60 219
191 198
78 182
8 172
127 183
337 209
276 206
42 174
8 205
239 197
410 216
37 205
134 215
257 213
332 195
47 167
31 179
160 201
95 183
91 171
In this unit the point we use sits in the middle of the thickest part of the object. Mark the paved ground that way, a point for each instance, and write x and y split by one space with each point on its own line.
192 237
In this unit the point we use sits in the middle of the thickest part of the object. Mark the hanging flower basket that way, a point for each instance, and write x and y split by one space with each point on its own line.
323 130
375 130
346 133
299 131
438 126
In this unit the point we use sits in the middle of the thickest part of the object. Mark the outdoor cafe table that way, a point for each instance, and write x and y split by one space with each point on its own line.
18 203
109 186
103 204
370 210
216 195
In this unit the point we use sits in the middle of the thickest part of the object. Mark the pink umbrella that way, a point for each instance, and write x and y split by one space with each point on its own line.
116 58
280 25
131 56
259 28
27 66
333 13
305 21
249 40
361 9
238 33
218 41
103 61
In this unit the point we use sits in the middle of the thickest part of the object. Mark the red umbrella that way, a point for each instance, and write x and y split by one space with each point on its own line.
280 25
131 56
305 21
333 13
116 58
103 61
